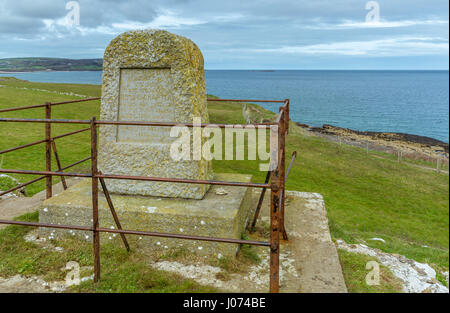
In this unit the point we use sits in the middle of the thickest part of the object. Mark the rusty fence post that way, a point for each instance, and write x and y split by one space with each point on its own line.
286 116
274 219
95 225
48 150
282 163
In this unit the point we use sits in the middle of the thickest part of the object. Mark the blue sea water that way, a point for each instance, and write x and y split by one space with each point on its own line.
415 102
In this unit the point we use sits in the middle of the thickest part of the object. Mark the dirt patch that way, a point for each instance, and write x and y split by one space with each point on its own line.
256 279
20 284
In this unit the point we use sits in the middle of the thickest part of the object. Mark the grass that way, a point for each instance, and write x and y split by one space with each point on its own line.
412 161
121 271
71 149
365 196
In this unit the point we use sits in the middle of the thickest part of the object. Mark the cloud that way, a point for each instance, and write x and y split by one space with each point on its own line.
348 24
166 19
234 33
403 46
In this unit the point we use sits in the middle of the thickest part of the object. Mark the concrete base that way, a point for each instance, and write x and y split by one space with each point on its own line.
215 215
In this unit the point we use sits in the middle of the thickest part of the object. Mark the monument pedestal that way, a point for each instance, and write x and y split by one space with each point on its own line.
216 215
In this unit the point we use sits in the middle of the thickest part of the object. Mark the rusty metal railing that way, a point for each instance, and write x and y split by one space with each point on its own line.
275 180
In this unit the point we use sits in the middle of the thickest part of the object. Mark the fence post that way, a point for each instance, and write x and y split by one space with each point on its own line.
95 225
286 112
48 150
282 162
274 217
438 164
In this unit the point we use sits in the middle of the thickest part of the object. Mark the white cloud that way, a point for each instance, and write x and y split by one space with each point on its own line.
166 19
349 24
402 46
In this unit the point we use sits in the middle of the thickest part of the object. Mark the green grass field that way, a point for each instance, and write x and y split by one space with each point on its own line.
365 196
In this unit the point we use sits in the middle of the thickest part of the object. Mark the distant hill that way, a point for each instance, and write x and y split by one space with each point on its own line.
49 64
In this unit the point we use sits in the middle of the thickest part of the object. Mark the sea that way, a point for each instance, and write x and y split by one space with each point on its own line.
413 102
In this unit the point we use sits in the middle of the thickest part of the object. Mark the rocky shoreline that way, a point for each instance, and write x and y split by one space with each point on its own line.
410 145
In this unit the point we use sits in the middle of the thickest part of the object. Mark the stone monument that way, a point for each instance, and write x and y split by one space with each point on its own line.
154 76
151 76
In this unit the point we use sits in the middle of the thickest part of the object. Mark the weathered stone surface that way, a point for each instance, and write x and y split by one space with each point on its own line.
151 75
223 215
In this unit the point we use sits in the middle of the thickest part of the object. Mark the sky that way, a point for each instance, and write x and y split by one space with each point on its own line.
241 34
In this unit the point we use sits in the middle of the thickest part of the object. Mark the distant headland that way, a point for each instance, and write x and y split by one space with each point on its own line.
49 65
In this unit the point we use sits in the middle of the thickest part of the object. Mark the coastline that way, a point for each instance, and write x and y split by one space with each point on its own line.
409 145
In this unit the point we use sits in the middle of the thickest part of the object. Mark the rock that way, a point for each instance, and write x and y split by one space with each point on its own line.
416 277
378 239
221 191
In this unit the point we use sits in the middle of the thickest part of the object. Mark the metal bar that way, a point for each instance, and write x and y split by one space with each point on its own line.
294 155
42 141
244 100
260 202
42 120
139 233
45 225
48 151
274 220
171 124
143 178
133 123
71 133
113 212
98 98
188 237
76 101
279 116
76 163
95 225
44 105
23 146
40 178
58 163
22 108
181 180
22 185
46 173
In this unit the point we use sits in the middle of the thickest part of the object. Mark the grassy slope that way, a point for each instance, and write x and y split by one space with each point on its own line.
365 196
